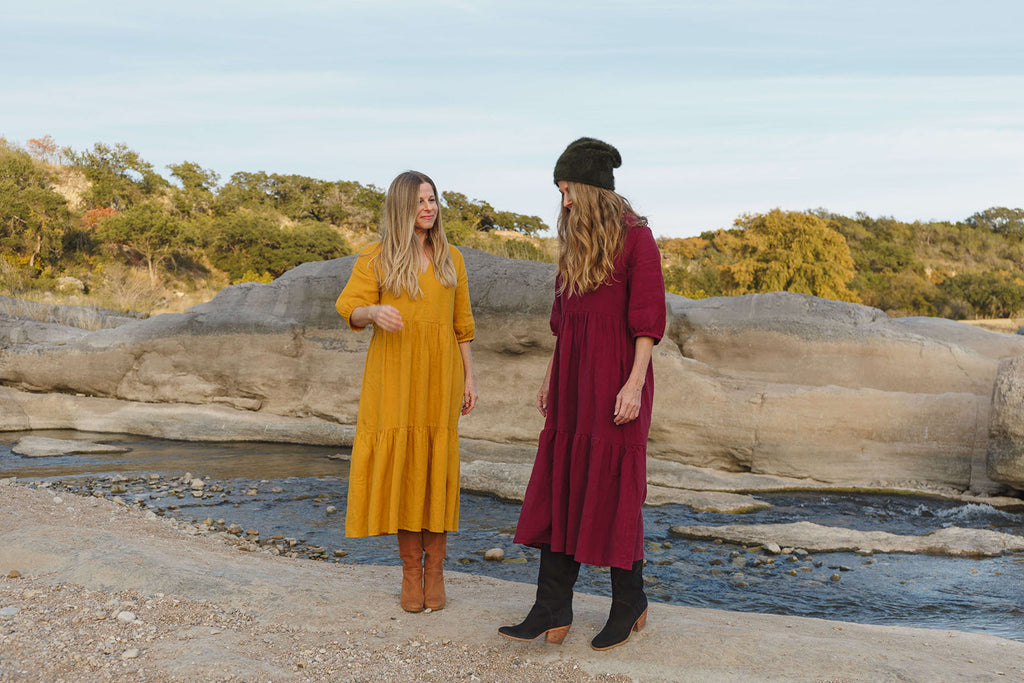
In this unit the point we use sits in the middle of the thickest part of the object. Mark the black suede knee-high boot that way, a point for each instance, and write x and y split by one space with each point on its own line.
552 612
629 607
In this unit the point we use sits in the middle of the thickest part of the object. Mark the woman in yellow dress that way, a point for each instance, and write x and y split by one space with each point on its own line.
411 286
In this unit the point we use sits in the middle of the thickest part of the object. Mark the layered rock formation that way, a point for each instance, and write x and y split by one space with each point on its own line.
776 384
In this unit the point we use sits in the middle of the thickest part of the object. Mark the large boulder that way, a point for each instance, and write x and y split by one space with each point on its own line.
781 384
1006 430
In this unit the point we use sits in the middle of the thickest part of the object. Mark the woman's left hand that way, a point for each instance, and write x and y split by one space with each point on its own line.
627 403
469 396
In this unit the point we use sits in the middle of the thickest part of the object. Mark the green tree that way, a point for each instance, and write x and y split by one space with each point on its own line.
33 218
462 214
246 242
990 294
198 185
788 251
999 219
147 231
118 176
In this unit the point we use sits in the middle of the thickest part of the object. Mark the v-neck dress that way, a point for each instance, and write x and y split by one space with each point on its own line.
404 472
589 479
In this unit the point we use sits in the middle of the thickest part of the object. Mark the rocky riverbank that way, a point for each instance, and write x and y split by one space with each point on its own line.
94 590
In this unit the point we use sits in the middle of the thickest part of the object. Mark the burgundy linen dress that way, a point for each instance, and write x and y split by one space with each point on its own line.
589 479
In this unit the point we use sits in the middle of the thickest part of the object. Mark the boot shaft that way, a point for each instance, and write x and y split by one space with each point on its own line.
628 584
410 548
435 546
556 577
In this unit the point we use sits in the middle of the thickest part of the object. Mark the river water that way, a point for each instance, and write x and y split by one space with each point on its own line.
298 492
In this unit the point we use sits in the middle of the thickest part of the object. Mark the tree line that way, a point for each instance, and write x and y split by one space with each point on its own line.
63 210
84 213
960 270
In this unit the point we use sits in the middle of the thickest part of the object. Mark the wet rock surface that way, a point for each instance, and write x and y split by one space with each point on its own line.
42 447
952 541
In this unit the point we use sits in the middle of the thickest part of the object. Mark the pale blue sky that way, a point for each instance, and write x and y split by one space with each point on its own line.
909 108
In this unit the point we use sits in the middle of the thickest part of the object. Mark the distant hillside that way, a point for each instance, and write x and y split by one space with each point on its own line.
962 270
102 227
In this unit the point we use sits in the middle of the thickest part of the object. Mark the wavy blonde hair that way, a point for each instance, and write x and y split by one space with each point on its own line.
590 236
397 265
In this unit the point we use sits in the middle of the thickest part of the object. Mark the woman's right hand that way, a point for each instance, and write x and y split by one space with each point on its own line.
386 317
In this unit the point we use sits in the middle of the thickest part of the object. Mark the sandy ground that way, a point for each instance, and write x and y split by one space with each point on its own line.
94 591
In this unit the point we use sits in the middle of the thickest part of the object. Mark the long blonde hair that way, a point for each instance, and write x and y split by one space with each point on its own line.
397 265
590 236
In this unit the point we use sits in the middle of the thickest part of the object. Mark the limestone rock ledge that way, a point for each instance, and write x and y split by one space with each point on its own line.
1006 431
776 384
952 541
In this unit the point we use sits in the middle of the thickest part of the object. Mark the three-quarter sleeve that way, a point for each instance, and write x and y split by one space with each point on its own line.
362 288
646 317
462 318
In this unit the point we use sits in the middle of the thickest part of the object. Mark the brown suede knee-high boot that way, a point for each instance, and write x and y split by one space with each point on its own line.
410 549
436 547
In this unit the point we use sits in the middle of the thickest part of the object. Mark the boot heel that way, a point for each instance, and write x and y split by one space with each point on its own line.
641 622
555 636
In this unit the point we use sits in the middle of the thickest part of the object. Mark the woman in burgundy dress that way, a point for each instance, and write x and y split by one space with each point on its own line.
589 481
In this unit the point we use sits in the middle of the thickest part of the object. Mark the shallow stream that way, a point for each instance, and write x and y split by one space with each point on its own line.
298 492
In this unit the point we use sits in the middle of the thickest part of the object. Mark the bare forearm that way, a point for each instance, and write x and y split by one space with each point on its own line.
542 394
627 402
469 395
467 360
643 348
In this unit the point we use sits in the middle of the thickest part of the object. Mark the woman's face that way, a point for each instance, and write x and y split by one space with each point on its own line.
563 187
426 215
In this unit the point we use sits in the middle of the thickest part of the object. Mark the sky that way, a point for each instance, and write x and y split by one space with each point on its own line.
719 108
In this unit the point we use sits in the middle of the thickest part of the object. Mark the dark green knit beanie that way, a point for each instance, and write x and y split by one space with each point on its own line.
590 162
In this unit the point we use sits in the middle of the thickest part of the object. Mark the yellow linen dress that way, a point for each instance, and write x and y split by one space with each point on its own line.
405 458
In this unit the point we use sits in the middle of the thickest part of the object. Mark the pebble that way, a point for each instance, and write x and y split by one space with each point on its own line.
772 548
131 653
9 611
58 500
331 509
126 617
14 574
494 555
